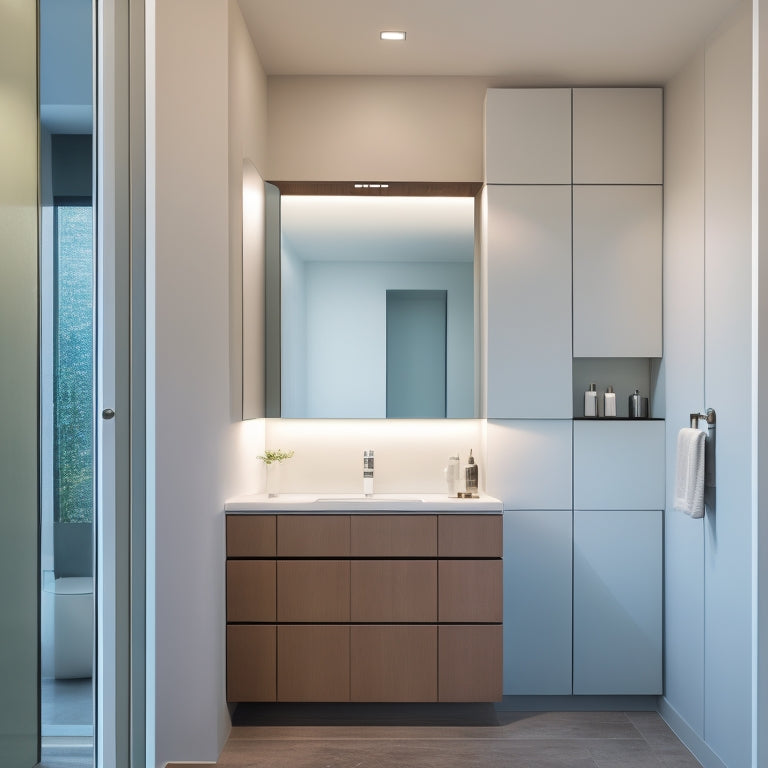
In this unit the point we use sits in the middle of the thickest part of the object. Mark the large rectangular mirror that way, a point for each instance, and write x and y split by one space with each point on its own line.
371 305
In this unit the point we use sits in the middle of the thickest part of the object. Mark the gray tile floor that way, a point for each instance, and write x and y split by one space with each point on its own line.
66 710
380 736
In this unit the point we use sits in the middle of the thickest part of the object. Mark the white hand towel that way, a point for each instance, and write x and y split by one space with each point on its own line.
689 477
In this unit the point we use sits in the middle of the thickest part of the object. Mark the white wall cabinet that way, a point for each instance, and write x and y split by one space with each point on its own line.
617 602
529 359
617 236
618 464
617 135
528 136
529 463
537 602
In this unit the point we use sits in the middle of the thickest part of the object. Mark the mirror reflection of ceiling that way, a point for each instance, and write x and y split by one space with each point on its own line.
379 228
588 42
66 98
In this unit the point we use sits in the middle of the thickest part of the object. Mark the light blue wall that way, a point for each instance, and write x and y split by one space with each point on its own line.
707 282
293 333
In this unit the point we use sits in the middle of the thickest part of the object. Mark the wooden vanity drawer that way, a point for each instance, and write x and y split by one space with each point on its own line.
251 535
251 588
313 663
313 536
312 590
394 536
469 536
469 591
251 662
393 663
470 666
394 591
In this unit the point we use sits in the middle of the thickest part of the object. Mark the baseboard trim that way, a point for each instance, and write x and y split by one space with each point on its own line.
577 703
187 765
692 741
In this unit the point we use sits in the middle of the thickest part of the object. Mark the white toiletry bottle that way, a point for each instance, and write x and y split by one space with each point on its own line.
452 476
368 473
590 402
471 475
610 403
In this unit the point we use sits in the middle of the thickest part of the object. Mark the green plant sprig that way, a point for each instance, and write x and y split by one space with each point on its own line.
270 456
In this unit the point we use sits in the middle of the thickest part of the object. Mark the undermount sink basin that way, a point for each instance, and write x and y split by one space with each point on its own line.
375 498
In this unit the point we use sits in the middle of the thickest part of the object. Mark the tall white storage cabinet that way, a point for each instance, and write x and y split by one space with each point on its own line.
528 253
617 271
529 302
572 269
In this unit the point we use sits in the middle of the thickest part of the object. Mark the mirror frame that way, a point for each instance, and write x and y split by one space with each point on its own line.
271 256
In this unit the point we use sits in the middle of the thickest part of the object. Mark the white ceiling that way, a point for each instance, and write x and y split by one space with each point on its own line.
518 42
339 228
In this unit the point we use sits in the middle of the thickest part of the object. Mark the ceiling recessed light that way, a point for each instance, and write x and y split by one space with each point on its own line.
392 35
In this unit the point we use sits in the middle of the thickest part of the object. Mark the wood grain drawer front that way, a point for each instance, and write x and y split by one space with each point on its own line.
313 536
394 590
251 588
312 590
470 663
393 663
470 591
469 536
312 663
394 536
251 535
251 663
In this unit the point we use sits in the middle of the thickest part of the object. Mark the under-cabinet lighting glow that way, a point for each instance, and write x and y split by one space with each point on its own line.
392 35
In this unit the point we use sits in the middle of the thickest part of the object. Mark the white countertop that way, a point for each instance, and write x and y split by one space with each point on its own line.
412 503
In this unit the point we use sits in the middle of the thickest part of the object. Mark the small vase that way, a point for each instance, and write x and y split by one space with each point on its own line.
273 479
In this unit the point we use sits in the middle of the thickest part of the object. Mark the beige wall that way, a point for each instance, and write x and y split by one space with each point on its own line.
376 128
18 383
202 454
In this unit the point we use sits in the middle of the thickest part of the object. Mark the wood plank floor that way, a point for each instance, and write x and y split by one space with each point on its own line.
378 736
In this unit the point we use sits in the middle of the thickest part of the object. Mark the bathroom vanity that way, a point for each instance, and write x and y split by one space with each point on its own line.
377 600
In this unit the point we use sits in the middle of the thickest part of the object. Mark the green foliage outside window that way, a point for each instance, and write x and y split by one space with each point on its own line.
73 365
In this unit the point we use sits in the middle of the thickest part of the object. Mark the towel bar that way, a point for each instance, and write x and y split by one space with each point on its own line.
710 417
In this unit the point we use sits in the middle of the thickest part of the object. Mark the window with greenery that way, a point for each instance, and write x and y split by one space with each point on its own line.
73 360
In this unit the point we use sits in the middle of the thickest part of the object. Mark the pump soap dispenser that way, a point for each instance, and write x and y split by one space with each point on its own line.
471 476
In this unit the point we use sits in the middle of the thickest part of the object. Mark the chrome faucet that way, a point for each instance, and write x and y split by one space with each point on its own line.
368 473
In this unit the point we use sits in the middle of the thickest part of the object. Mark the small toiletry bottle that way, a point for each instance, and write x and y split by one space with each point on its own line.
610 403
368 473
471 475
452 476
590 402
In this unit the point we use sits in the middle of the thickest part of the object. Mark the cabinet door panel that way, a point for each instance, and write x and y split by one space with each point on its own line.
469 535
529 361
313 536
617 135
313 590
251 535
528 136
618 465
251 587
537 602
617 596
617 271
470 662
394 590
312 663
251 663
393 663
469 591
394 536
